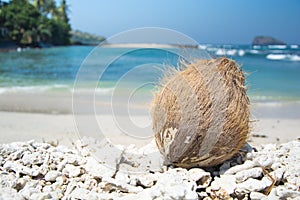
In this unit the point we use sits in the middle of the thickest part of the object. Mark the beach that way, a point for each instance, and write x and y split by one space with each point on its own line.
53 122
127 102
61 128
49 117
47 145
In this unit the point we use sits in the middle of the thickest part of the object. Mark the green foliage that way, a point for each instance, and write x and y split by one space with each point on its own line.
30 23
45 7
61 32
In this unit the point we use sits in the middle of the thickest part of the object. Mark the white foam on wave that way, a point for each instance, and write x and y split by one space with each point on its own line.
231 52
202 47
277 51
254 51
268 103
294 57
104 90
294 46
256 46
241 52
276 56
220 52
272 100
277 46
212 49
228 52
31 89
2 90
91 90
287 57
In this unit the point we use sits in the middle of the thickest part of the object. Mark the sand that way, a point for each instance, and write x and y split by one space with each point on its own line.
23 126
49 117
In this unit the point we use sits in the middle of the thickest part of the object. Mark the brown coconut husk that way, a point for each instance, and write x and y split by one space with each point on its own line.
201 114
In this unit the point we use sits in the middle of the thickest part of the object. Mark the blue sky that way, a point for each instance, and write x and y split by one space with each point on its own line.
207 21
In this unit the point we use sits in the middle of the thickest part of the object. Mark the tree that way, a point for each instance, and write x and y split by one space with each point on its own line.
60 32
30 22
59 21
45 7
60 26
20 18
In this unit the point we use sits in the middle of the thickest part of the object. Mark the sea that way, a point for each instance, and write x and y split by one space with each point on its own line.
272 72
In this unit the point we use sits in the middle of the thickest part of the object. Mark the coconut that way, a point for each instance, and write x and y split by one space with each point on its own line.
201 114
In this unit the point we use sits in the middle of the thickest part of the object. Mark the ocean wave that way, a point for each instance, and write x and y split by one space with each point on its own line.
287 57
269 103
241 52
277 46
273 99
295 58
211 48
276 56
294 46
256 47
104 90
32 89
254 51
237 52
91 90
228 52
203 47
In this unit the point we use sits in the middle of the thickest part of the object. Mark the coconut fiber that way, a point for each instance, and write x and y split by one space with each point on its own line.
201 113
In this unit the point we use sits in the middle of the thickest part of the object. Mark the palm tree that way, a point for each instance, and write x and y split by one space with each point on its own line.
61 12
45 7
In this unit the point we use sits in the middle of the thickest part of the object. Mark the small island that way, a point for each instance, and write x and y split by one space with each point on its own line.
267 40
84 38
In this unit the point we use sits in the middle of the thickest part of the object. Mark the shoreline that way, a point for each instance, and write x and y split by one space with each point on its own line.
61 128
49 116
60 102
14 47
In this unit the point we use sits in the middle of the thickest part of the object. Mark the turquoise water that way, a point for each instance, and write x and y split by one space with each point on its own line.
273 71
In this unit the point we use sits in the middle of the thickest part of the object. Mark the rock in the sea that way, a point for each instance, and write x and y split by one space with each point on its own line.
267 40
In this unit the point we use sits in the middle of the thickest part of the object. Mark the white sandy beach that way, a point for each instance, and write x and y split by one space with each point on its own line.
272 124
48 117
125 176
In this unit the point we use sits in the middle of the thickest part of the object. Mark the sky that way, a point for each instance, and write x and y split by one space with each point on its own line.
206 21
